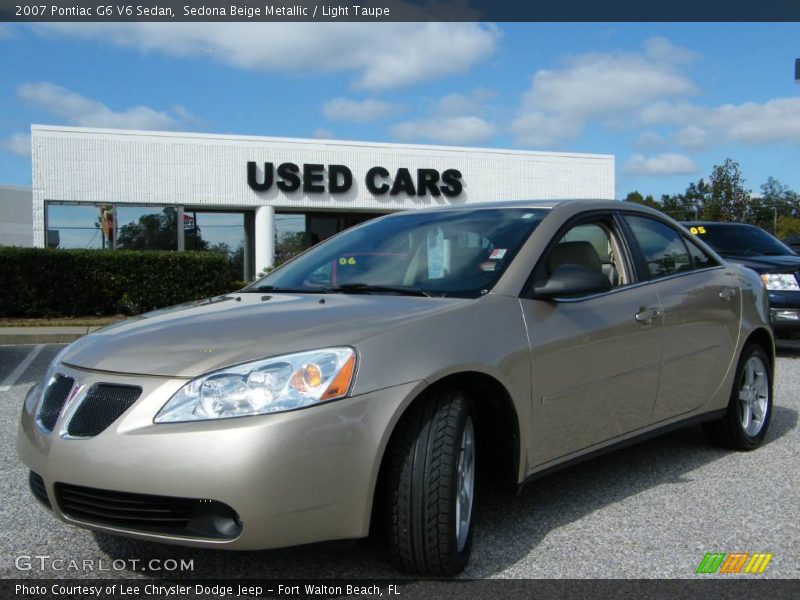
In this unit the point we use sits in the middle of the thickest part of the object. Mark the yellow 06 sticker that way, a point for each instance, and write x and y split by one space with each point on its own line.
347 261
695 230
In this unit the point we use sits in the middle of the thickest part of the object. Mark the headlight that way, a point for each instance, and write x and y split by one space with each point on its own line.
784 282
264 386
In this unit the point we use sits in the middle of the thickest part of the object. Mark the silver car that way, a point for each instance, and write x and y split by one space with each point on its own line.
376 380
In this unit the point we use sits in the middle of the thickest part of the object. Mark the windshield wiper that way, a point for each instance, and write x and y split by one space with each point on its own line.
368 287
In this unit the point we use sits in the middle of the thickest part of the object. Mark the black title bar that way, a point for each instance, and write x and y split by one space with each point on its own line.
400 10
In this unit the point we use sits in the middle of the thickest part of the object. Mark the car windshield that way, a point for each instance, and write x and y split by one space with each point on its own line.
455 253
742 240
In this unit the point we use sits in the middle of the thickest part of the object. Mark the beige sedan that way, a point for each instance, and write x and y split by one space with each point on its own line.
372 383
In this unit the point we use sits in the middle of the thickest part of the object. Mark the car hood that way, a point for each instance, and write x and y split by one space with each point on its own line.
768 264
190 339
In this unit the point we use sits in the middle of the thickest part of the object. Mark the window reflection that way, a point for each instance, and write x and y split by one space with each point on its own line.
147 228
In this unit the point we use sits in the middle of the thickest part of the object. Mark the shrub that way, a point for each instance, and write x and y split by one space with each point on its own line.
39 282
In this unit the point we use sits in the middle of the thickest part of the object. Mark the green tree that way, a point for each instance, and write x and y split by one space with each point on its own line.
729 200
636 197
290 244
787 227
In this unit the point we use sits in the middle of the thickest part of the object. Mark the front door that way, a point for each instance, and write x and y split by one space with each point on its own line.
595 360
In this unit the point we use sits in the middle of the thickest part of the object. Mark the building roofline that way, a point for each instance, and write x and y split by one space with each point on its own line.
320 142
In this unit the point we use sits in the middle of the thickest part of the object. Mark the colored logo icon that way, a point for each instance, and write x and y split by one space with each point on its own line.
735 562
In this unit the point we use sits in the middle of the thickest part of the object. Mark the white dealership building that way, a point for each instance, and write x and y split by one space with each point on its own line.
137 189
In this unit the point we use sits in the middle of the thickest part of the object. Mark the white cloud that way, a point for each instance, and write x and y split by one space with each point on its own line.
463 104
660 49
649 140
462 130
18 143
776 120
358 111
660 165
691 137
382 55
561 101
79 110
6 31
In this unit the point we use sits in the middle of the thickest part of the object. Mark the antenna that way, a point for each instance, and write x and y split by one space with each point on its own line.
797 70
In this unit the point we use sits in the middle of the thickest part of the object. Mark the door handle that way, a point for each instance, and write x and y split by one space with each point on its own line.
646 315
727 293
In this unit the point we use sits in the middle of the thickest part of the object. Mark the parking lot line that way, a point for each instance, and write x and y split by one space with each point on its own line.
9 381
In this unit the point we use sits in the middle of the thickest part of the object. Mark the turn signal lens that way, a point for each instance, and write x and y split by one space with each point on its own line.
341 383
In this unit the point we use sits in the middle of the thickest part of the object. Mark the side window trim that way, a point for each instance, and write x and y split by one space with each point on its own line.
639 262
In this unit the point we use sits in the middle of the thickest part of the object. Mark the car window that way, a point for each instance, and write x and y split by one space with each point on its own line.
456 253
662 247
591 245
738 239
700 258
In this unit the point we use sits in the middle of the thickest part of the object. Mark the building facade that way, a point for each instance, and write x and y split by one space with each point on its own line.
16 217
260 198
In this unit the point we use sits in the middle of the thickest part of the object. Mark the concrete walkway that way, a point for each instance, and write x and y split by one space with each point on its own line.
42 335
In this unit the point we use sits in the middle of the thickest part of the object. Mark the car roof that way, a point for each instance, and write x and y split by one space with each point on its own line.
533 204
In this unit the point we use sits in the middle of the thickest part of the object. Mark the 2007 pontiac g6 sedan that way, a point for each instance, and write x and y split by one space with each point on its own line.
371 383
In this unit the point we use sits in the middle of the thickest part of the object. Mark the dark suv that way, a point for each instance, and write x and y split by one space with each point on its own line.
774 261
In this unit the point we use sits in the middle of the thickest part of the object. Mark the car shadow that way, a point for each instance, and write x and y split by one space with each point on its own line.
508 527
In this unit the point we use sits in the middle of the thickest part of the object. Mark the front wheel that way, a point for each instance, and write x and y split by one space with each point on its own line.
431 485
745 423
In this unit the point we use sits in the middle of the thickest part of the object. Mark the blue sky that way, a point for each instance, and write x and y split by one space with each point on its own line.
668 100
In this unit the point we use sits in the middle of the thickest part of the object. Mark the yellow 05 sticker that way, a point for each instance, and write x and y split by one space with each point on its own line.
695 230
347 261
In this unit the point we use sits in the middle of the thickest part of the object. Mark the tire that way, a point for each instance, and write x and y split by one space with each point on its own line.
426 533
752 391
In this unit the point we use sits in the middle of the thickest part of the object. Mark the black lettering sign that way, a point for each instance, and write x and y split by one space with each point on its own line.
426 182
372 186
290 177
252 177
452 183
335 185
290 180
403 183
313 178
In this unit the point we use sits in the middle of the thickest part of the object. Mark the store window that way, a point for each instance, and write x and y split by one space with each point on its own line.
219 232
76 226
147 228
291 237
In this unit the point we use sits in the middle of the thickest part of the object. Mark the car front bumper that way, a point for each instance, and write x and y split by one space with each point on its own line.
785 313
292 478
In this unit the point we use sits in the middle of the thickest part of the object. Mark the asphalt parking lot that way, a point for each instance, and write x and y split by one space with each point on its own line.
651 510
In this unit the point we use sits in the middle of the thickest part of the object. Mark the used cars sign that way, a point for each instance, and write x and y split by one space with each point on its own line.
290 177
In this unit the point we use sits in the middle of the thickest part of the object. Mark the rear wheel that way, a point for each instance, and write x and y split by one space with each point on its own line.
431 485
746 421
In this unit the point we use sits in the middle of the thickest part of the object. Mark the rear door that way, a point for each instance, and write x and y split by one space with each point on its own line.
702 306
595 360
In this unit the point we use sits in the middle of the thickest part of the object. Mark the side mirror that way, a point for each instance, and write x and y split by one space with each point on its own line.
572 280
